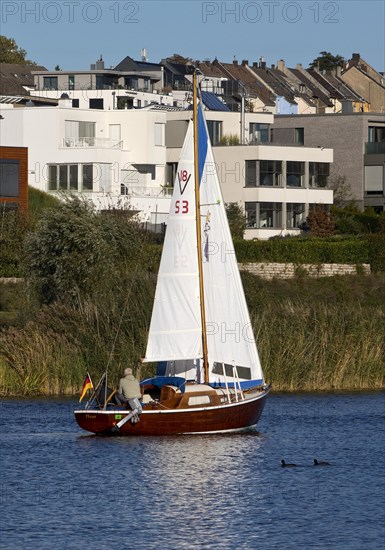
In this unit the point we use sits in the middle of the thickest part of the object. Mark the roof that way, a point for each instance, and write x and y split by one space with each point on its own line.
213 103
314 89
16 79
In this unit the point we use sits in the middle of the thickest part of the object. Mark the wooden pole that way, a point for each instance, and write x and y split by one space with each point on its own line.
199 231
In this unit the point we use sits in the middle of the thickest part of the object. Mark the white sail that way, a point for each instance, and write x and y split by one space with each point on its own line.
176 332
230 338
176 329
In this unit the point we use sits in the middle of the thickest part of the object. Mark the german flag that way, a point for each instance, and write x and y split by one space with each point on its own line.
87 385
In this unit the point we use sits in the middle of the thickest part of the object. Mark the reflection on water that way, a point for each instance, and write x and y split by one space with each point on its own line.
62 488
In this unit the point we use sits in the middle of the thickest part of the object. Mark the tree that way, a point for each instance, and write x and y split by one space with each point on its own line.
236 219
177 58
320 222
326 61
11 53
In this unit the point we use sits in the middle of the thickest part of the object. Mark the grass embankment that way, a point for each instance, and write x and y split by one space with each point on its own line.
321 334
312 334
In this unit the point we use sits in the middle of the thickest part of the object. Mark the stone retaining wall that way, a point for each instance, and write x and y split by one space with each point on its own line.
288 271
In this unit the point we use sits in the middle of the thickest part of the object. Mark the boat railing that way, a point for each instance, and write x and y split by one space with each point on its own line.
226 384
237 382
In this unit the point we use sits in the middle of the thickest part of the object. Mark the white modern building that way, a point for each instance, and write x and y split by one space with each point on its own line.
276 185
111 157
129 157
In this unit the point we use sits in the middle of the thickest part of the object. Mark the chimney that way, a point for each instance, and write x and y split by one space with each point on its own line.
281 65
235 62
298 66
100 64
356 57
272 66
255 64
338 70
92 66
245 62
262 62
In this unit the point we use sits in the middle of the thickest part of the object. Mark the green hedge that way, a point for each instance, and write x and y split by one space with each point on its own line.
369 249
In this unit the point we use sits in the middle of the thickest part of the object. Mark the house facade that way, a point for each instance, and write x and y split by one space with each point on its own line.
14 177
276 186
111 157
358 142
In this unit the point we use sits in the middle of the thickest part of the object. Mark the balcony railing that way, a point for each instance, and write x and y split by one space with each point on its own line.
375 148
101 143
142 191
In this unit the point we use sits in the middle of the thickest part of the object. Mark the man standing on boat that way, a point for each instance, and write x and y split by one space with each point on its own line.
129 392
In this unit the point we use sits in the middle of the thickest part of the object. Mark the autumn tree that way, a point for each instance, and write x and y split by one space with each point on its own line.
11 53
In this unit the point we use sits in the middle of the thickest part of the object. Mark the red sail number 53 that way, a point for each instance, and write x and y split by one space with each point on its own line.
181 206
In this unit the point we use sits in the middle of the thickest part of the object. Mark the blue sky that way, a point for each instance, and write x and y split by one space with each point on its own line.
74 33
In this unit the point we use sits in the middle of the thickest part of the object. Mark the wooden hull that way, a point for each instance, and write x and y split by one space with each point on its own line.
223 418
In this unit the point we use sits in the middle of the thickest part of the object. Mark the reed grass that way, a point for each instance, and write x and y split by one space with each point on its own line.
322 334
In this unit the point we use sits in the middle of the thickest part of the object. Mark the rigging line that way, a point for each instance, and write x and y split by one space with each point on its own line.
124 309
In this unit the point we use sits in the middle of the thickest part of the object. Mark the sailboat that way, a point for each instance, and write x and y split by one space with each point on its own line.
209 377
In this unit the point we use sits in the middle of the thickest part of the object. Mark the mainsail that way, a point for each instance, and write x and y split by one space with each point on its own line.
176 328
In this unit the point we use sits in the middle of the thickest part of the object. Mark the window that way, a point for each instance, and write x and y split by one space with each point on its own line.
71 81
50 83
299 136
80 177
9 178
258 133
171 169
198 400
374 180
376 134
215 131
295 214
318 174
87 177
251 214
52 177
159 134
63 177
96 103
79 133
263 215
294 173
270 173
270 215
75 103
250 173
243 372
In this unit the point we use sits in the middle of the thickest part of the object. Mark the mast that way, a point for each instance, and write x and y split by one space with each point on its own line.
199 231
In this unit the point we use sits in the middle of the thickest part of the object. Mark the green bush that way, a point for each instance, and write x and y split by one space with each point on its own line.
305 250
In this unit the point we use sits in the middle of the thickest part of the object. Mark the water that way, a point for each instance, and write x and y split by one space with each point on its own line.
64 489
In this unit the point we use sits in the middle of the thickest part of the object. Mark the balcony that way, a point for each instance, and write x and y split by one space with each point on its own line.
375 148
85 142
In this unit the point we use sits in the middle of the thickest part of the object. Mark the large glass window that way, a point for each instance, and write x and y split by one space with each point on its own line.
295 214
270 215
87 177
263 215
270 172
258 133
215 131
250 173
52 177
9 178
318 174
251 214
50 83
79 133
295 173
71 81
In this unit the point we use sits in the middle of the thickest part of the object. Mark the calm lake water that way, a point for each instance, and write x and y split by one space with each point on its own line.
64 489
